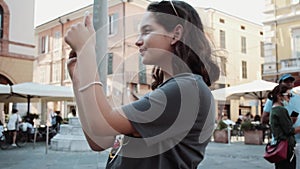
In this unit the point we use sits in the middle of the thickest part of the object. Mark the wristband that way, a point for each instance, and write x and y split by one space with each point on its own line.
89 85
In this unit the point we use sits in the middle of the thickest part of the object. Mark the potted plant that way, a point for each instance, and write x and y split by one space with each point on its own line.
220 133
252 133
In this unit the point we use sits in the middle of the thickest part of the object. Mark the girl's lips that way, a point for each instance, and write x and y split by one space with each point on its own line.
142 51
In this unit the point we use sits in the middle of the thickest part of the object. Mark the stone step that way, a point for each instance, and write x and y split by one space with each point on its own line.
74 121
69 143
70 130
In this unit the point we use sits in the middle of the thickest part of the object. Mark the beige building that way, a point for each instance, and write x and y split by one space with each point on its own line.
282 39
17 43
52 53
237 43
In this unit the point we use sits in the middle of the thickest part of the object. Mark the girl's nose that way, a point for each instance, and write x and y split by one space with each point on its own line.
139 42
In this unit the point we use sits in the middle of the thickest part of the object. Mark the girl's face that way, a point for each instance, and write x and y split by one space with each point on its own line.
286 96
154 42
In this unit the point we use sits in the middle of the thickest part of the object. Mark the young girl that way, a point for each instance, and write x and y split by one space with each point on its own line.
169 127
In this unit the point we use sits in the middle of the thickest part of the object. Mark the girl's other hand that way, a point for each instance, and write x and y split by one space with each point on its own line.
81 34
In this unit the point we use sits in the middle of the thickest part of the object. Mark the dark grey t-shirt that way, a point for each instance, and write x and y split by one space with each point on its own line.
175 122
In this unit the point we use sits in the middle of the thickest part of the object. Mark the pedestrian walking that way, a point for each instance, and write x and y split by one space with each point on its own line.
13 124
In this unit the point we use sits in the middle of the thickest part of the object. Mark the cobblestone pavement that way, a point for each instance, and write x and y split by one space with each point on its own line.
236 155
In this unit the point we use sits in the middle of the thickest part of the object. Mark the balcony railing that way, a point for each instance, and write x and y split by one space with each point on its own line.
289 65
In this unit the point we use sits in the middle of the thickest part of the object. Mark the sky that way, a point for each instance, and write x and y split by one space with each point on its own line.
251 10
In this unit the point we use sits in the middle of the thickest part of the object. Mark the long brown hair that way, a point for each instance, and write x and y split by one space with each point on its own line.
193 48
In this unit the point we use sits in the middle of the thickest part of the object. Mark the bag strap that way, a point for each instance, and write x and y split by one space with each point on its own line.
274 147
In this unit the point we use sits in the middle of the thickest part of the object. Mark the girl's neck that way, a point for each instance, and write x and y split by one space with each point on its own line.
277 104
167 76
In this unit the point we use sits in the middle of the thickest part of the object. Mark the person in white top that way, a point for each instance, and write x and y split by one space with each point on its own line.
12 125
72 113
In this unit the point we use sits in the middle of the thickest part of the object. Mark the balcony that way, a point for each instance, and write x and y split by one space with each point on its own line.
290 65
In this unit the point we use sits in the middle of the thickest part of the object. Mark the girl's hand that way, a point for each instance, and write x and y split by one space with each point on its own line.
81 34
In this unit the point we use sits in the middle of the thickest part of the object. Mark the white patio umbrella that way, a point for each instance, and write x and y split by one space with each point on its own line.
44 91
4 89
253 90
6 96
257 89
30 90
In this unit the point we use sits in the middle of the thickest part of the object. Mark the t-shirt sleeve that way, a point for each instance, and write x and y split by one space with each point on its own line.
155 112
166 112
268 106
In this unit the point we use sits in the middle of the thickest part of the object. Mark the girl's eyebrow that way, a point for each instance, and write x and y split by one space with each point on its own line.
145 27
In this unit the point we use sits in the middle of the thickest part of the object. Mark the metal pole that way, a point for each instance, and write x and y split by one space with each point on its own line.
123 53
47 138
228 133
100 14
276 45
28 105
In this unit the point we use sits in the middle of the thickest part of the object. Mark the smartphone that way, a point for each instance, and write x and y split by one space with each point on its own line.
294 114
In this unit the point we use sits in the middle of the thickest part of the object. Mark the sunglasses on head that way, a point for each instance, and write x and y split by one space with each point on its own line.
171 2
289 95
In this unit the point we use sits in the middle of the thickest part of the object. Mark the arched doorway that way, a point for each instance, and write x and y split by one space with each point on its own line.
4 80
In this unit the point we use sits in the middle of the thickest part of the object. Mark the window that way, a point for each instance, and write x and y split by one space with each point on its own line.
42 74
142 72
56 72
243 44
1 22
56 42
110 63
44 44
112 24
261 33
222 39
296 43
222 20
262 49
243 27
244 69
223 66
66 73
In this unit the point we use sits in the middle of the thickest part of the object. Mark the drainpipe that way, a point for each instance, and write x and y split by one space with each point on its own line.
62 53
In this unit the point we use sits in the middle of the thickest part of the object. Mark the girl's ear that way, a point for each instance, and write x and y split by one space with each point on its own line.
177 34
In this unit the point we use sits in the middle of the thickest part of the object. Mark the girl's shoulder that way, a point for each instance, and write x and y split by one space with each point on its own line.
278 110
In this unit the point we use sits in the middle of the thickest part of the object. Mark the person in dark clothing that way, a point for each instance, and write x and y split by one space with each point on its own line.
282 125
169 127
58 120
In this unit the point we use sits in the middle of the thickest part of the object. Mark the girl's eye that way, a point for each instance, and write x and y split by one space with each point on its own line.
145 32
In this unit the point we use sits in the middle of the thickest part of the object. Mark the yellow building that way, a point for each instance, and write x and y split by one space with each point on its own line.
282 39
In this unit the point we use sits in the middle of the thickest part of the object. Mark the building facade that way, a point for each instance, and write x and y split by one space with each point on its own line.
282 39
17 45
237 45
